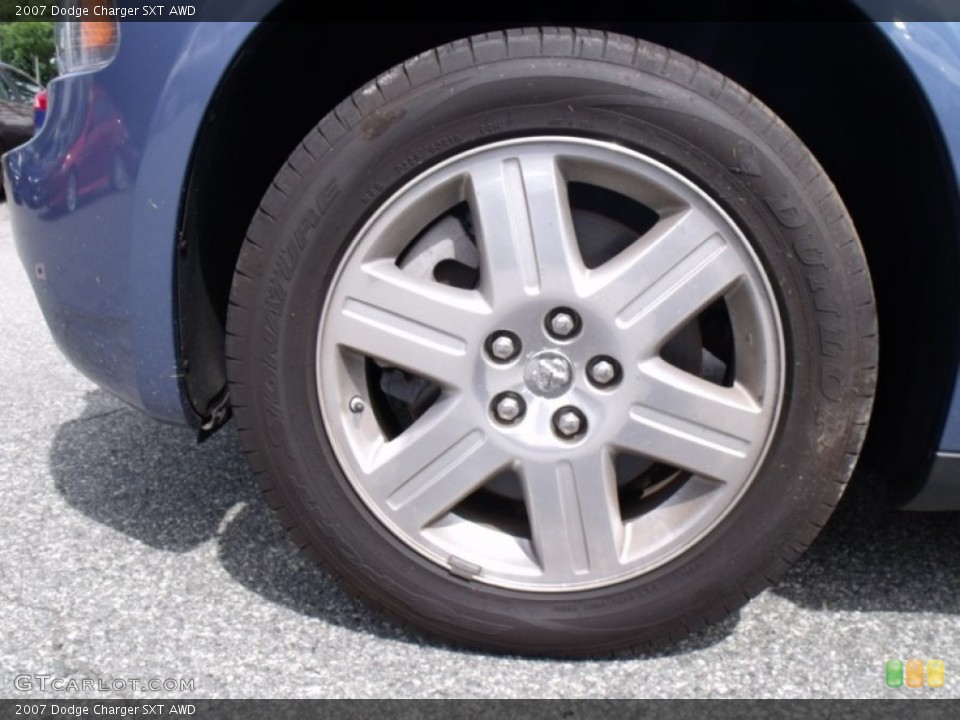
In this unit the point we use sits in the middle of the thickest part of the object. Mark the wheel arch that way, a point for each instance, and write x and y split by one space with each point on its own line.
842 88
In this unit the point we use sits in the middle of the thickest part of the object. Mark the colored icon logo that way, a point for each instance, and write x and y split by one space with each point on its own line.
912 673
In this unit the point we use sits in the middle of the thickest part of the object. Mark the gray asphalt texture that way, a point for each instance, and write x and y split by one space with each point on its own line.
128 551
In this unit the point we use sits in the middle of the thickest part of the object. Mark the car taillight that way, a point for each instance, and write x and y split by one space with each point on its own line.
40 101
86 45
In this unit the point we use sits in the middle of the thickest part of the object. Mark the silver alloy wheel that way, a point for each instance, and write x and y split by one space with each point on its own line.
712 434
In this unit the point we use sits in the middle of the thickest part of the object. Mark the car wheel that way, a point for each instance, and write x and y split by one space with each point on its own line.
552 342
71 192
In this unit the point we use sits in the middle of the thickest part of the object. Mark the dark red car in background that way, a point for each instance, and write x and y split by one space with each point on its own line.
94 144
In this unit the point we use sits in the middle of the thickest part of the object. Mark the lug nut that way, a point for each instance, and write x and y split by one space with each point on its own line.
503 346
508 407
604 371
569 422
563 323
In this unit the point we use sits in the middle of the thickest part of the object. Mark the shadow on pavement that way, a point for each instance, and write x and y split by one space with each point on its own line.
872 557
145 479
153 483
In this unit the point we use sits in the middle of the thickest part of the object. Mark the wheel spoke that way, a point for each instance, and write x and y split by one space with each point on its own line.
574 516
676 270
524 227
422 327
692 424
432 465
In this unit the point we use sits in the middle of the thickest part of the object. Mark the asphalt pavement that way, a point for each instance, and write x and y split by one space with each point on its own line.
130 553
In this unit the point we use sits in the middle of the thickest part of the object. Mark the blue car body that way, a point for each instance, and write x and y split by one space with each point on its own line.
106 274
122 333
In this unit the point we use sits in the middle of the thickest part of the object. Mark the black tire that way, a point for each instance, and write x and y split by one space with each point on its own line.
546 82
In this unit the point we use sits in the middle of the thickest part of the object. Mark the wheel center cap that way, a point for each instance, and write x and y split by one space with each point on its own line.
548 374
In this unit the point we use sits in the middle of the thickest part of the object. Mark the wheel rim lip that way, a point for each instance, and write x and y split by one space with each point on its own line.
345 456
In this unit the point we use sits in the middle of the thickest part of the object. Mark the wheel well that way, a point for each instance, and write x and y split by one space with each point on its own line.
841 87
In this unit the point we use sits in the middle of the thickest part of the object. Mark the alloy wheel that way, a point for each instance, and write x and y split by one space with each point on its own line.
550 364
